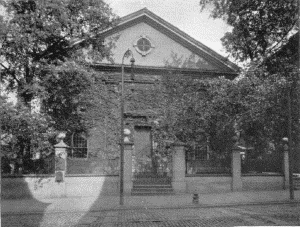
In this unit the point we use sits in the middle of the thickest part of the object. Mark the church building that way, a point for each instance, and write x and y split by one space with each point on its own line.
149 49
146 53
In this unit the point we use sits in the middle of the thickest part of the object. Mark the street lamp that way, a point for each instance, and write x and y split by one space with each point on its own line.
288 145
127 54
291 156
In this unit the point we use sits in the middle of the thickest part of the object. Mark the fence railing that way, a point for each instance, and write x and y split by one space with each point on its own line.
206 167
262 165
17 166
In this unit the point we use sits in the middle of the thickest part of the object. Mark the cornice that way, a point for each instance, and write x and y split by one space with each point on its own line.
151 70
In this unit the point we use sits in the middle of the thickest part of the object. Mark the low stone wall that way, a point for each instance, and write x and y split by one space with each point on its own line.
18 187
208 183
92 185
21 187
219 184
262 182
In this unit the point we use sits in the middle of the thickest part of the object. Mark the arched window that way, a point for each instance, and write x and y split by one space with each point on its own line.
78 145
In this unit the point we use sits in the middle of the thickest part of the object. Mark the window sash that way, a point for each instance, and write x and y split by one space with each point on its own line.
78 146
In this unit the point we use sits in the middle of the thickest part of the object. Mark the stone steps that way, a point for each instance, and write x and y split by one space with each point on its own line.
138 192
152 180
152 186
145 186
151 193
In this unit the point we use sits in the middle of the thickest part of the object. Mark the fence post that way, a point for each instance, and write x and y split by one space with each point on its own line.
236 184
60 168
128 146
286 167
178 166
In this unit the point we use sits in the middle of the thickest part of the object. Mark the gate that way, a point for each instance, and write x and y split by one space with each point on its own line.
152 166
150 162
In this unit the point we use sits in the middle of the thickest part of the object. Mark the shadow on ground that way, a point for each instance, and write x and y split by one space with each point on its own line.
17 188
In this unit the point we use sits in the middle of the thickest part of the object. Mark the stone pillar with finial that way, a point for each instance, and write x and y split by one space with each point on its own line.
178 165
236 170
128 146
286 167
60 165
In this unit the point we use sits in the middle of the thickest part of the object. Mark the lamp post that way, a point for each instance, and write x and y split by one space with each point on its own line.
126 55
291 156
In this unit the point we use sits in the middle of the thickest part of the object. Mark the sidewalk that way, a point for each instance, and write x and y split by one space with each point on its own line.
85 204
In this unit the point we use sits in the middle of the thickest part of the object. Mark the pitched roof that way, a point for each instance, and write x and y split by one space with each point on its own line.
148 17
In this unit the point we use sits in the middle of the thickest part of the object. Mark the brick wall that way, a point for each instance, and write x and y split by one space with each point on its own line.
220 184
141 96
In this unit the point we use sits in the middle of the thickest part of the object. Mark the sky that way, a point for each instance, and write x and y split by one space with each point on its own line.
184 14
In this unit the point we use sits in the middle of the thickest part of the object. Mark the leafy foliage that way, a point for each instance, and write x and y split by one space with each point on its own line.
199 106
44 47
24 133
266 35
220 109
39 33
258 25
67 96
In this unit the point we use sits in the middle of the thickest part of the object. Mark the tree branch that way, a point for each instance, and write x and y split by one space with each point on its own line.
282 39
11 73
4 66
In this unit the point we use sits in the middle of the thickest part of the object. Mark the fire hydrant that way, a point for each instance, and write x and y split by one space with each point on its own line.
195 199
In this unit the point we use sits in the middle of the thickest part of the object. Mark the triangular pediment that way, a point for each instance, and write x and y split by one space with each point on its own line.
156 43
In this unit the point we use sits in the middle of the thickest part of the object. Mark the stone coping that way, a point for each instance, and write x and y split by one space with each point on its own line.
262 174
52 175
229 175
26 175
112 175
209 175
91 175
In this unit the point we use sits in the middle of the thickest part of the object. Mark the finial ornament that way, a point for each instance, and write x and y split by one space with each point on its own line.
127 132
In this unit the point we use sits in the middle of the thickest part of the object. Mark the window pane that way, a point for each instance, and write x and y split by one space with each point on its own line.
79 141
143 44
77 145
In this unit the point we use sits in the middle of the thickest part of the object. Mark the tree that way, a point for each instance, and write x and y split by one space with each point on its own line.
23 134
197 109
219 109
263 35
38 34
67 96
44 49
259 26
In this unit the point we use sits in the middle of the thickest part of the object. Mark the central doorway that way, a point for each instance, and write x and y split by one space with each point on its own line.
148 160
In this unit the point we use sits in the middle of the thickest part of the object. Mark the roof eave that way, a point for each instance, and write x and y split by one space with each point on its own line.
153 70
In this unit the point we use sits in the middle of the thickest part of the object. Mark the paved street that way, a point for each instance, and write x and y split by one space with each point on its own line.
246 215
